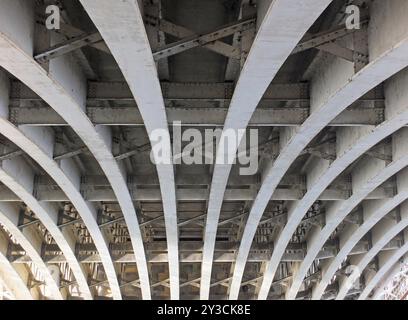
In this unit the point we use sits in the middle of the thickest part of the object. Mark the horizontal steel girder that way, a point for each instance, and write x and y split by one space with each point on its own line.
190 252
45 116
175 91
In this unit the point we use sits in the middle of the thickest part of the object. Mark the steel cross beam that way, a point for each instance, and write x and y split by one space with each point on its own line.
162 283
194 41
31 221
192 254
325 37
177 91
11 155
70 154
213 117
190 41
196 91
68 46
135 283
216 46
194 194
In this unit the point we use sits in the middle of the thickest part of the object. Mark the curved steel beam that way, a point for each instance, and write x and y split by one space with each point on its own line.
366 182
373 212
19 178
325 108
63 88
5 288
121 26
39 144
382 234
13 280
9 214
272 46
390 259
390 276
11 277
397 120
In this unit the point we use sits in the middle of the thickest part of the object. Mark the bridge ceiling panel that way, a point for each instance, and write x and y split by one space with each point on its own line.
187 149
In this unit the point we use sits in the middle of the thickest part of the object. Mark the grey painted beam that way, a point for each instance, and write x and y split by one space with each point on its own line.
130 116
373 212
180 32
382 234
330 99
396 120
19 178
272 46
63 88
394 272
191 253
194 41
387 261
68 46
128 42
30 243
13 278
339 210
39 144
189 194
325 37
191 41
187 91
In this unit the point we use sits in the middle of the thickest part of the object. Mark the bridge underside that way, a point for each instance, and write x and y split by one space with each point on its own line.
86 214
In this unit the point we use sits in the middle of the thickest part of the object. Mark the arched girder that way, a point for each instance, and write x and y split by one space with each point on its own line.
352 150
386 260
9 217
39 144
389 278
121 26
4 290
63 88
327 75
272 46
327 101
366 177
382 233
12 278
19 178
373 212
